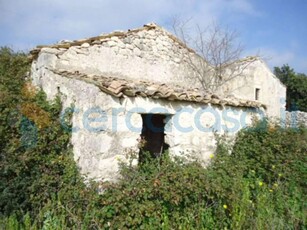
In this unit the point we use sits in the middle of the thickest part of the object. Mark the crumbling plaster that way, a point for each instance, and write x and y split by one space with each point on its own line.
105 127
101 138
153 54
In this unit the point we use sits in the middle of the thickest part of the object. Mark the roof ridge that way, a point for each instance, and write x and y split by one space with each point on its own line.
91 40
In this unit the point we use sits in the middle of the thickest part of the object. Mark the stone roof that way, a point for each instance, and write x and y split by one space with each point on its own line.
121 87
104 37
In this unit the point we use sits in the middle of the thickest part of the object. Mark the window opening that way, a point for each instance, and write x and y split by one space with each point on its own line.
257 94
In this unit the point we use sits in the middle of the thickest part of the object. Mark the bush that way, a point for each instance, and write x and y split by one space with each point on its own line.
260 185
264 178
37 169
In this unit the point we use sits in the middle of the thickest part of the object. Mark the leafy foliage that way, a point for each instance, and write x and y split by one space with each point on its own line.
296 87
36 164
271 162
260 185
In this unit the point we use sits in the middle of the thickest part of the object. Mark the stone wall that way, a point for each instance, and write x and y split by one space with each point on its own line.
271 91
151 53
105 127
296 118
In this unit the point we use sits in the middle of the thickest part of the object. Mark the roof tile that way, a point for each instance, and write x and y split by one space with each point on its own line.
122 87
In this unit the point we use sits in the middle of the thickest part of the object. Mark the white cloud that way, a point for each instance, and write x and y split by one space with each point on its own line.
277 58
24 24
245 6
45 21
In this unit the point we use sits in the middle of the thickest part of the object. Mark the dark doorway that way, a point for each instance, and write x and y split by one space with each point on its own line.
152 135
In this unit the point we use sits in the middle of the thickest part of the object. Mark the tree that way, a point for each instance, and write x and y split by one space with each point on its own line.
296 87
217 60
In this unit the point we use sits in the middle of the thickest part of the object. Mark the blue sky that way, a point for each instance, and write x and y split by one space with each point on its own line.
275 29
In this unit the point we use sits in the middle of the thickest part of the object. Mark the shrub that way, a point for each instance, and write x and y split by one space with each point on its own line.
37 169
260 185
264 178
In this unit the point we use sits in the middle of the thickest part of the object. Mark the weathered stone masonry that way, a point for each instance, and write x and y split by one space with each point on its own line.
149 53
111 80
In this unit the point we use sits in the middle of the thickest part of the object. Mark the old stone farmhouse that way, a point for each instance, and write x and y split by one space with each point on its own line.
136 86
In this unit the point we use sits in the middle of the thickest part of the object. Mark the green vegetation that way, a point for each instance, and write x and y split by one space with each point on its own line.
36 164
261 185
296 87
